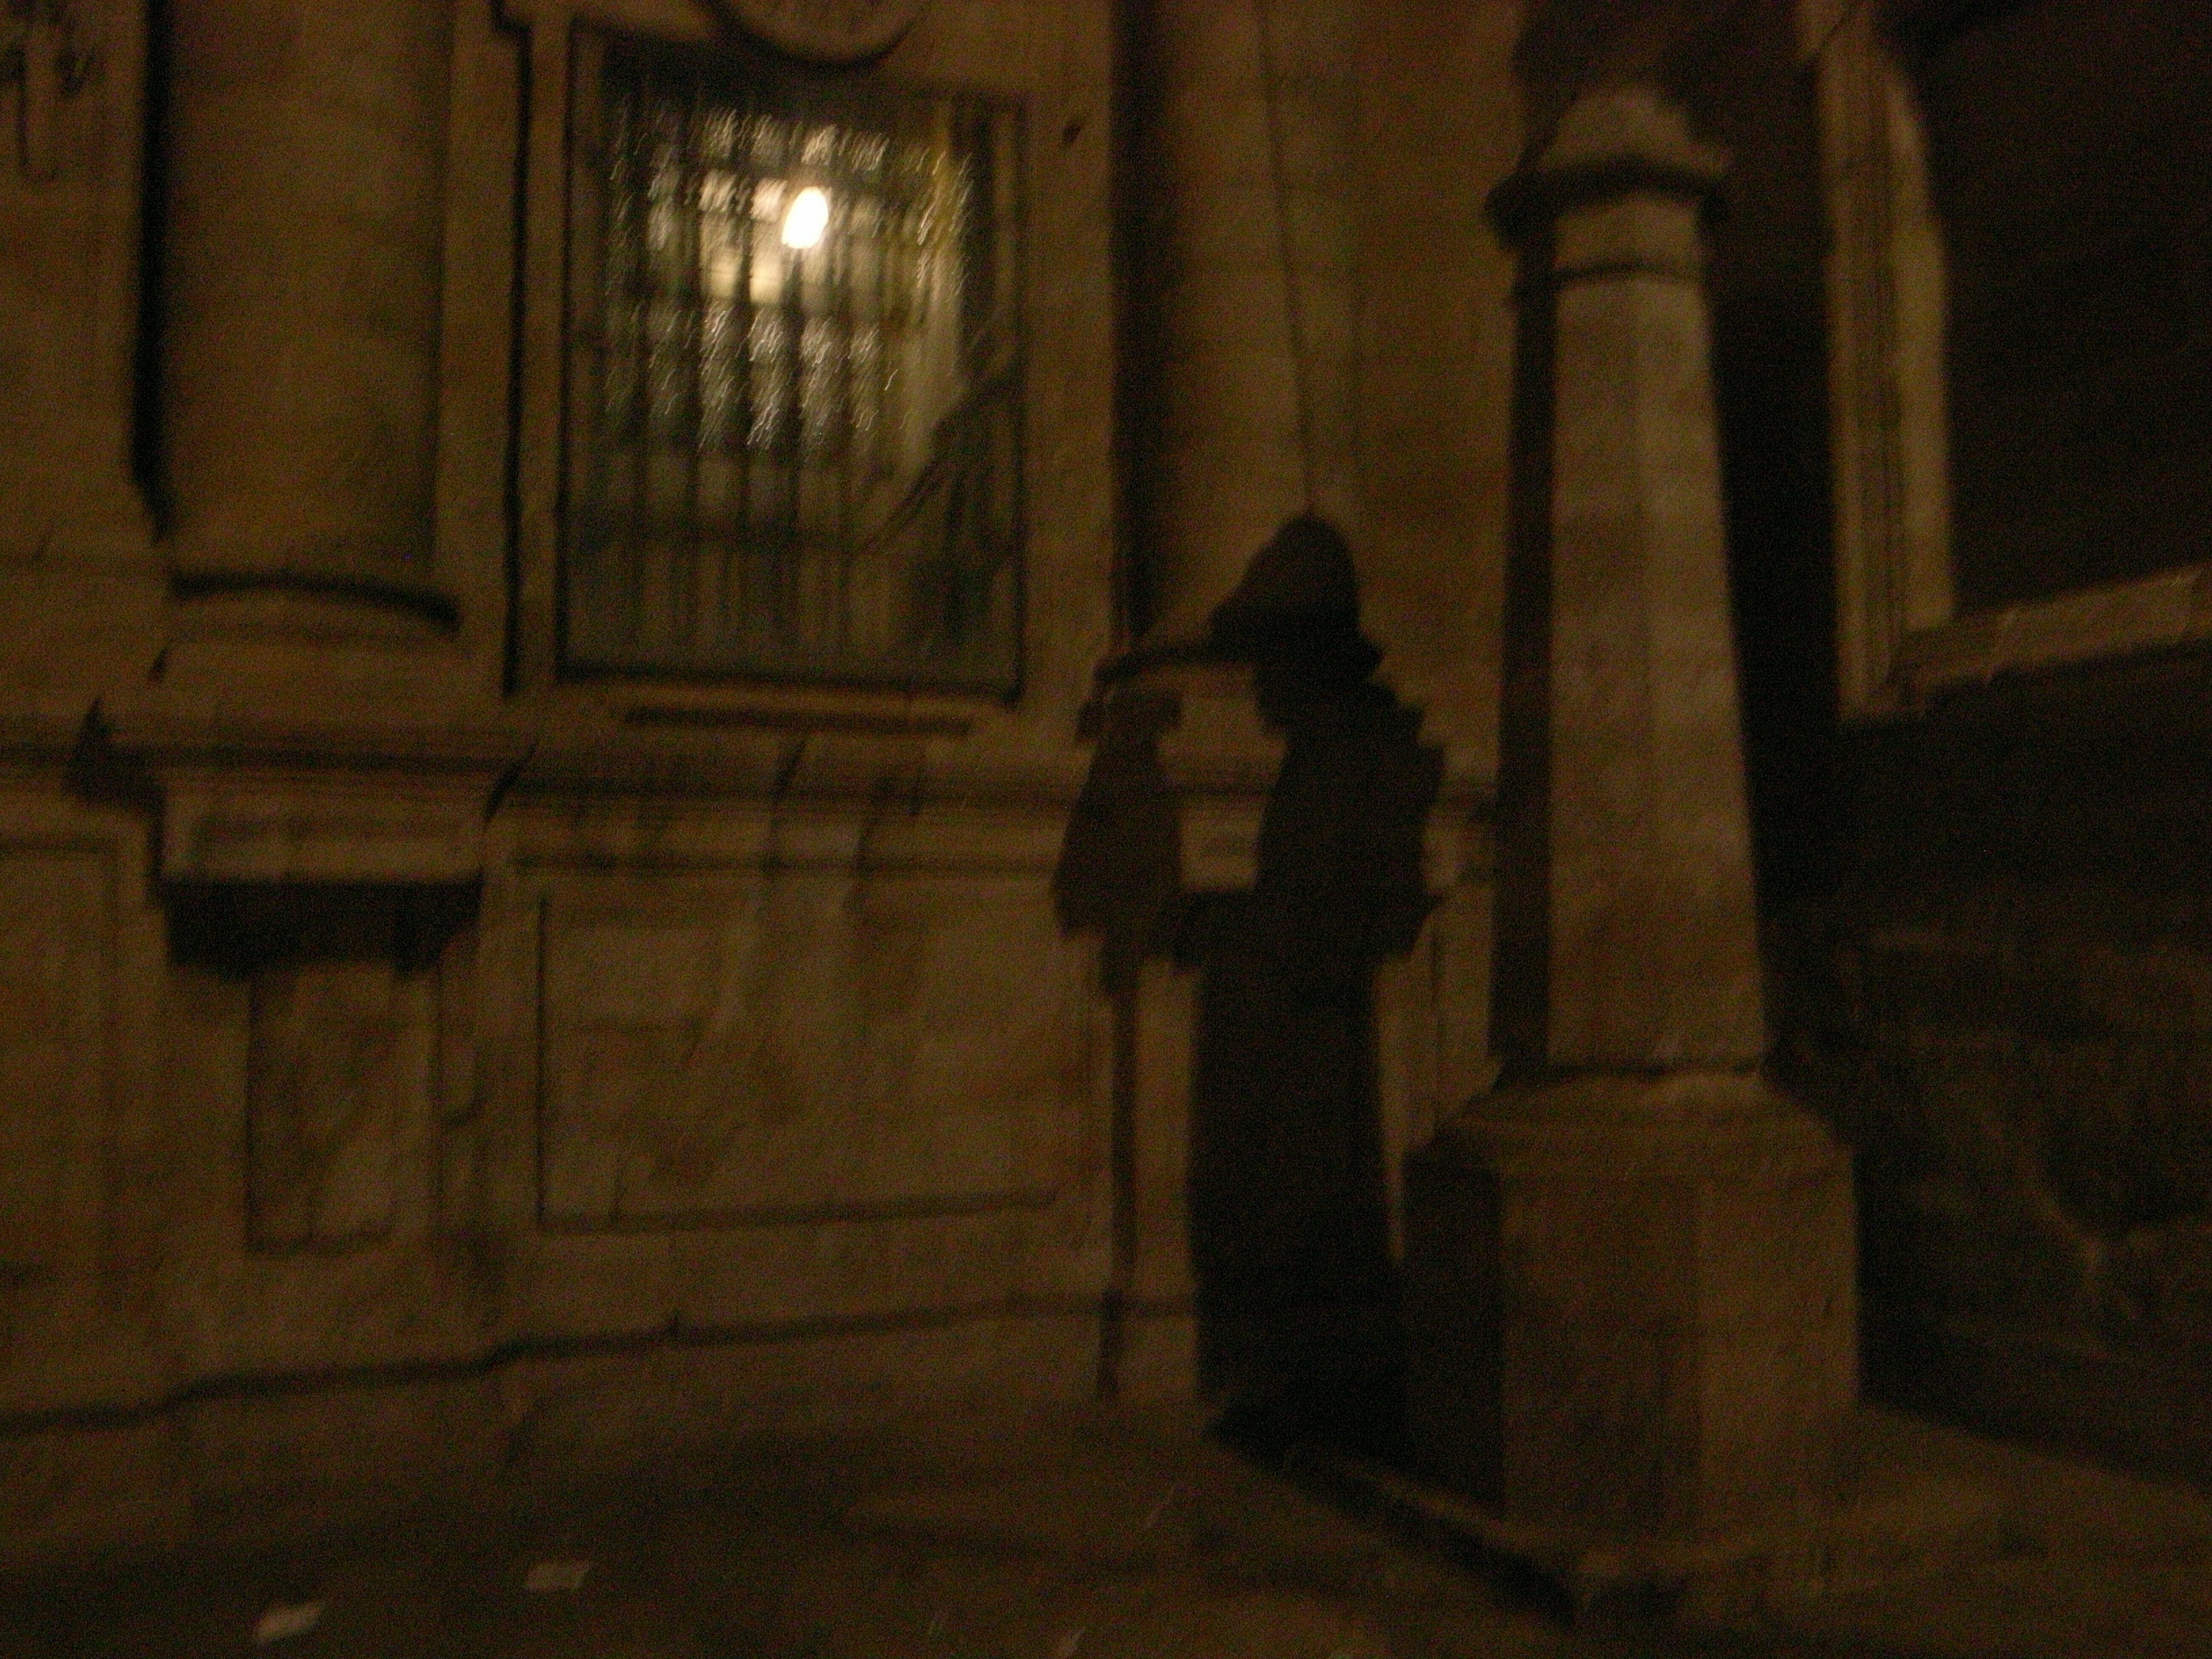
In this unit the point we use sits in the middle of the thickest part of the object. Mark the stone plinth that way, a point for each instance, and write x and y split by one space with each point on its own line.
1630 1268
264 802
1632 1305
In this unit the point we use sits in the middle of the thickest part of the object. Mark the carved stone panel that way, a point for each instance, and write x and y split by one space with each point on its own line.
801 1045
337 1076
55 943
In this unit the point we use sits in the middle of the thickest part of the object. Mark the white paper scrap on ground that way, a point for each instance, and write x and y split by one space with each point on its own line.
553 1577
286 1619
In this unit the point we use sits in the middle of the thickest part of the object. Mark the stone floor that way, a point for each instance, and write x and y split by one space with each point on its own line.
1107 1536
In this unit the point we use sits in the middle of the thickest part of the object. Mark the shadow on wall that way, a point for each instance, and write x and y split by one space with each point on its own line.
1297 1294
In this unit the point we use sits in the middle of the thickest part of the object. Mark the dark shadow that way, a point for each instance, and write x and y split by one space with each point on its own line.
1119 877
1290 1227
149 465
239 929
1297 1297
1289 1223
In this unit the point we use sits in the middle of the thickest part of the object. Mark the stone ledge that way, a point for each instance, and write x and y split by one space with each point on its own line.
1892 1522
266 1456
2170 610
1707 1123
289 801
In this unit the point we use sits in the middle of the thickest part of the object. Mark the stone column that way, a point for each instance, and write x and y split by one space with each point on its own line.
1241 179
1631 1265
1888 287
1242 175
1257 356
300 251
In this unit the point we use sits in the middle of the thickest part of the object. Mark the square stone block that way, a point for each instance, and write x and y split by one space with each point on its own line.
1630 1304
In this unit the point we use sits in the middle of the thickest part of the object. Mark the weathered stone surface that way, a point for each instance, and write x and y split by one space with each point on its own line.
801 1043
281 117
57 914
2029 1072
1632 1304
1253 245
339 1068
423 1059
1629 1266
69 190
1653 945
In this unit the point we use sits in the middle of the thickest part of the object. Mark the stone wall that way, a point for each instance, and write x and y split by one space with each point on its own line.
2008 1007
422 1064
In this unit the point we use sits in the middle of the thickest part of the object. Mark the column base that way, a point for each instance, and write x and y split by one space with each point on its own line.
1631 1306
1891 1521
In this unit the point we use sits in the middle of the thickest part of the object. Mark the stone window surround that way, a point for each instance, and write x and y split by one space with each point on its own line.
1900 638
974 646
551 32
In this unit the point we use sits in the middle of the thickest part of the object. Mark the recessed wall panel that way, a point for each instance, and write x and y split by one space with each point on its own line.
804 1045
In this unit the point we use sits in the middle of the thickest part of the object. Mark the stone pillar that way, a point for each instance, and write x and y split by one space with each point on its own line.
1244 174
302 244
1241 409
1630 1265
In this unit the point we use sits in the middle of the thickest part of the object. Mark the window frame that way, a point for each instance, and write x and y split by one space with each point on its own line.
558 284
1901 641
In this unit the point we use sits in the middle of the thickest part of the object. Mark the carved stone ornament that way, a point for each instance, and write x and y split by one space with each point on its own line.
824 31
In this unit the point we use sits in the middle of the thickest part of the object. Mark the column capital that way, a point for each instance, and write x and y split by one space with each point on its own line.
1613 144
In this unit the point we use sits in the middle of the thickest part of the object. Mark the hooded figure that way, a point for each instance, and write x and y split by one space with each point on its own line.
1289 1219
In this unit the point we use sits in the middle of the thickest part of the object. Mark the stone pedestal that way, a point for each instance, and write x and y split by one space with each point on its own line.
1629 1267
1632 1305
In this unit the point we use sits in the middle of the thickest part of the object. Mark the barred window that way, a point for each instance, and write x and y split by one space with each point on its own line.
796 414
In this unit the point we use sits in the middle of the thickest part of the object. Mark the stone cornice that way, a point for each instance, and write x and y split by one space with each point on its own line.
301 800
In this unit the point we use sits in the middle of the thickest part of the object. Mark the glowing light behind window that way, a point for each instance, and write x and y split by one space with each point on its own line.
805 451
807 217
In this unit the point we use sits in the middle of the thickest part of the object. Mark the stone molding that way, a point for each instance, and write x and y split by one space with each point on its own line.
1728 1125
2170 610
1886 282
824 31
1621 144
270 802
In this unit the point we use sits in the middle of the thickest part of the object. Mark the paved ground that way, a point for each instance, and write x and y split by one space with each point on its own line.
1101 1537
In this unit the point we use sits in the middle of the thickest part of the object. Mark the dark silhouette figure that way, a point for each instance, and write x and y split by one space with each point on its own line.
1289 1224
1290 1234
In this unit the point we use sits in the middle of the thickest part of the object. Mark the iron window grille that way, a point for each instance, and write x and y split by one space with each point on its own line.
796 401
